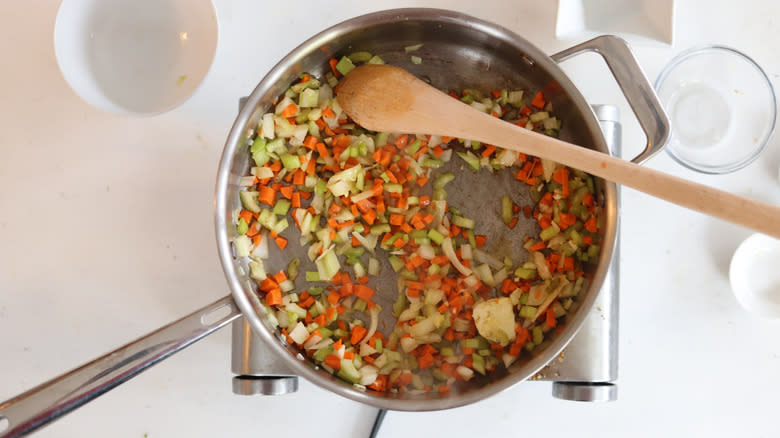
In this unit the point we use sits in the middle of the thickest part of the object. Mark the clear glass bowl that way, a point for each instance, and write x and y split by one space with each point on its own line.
722 107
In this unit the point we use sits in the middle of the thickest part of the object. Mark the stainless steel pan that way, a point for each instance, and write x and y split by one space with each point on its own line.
458 52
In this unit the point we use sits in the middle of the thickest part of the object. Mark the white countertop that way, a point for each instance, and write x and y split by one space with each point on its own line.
106 233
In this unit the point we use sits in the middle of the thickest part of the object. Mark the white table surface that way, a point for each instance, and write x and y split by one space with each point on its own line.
106 234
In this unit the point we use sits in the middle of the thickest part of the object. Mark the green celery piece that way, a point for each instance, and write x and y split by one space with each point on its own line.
479 363
322 353
249 200
360 56
242 226
344 65
527 312
290 161
413 147
506 209
537 335
379 347
292 268
309 98
441 180
281 207
415 59
435 236
549 232
470 159
395 263
525 274
375 60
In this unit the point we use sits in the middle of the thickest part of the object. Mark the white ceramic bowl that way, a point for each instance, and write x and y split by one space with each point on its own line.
139 57
755 275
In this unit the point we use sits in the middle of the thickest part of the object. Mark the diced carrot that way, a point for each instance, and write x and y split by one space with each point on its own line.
358 332
332 62
310 142
550 318
538 246
401 141
296 200
286 191
561 176
588 240
538 100
480 240
513 222
333 361
281 242
290 110
488 150
267 195
425 361
246 216
273 297
592 224
333 297
396 219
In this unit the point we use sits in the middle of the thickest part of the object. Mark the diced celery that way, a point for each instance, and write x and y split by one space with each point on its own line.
412 148
463 222
525 273
312 276
344 65
478 363
360 56
249 200
549 232
281 207
380 229
394 188
537 335
292 268
314 290
412 48
395 263
375 60
506 209
415 59
242 226
527 312
435 236
441 180
322 353
309 99
290 161
470 159
379 347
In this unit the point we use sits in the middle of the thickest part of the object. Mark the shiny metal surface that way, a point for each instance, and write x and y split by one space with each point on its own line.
594 392
258 372
592 356
50 400
458 51
264 385
635 86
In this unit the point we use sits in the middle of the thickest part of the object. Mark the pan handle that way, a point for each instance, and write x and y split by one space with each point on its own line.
635 86
48 401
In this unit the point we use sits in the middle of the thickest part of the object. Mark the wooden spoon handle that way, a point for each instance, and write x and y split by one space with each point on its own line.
750 213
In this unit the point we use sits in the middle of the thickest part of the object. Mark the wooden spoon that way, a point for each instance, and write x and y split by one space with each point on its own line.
389 99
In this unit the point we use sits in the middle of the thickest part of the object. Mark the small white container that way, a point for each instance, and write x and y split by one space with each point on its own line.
140 57
755 275
649 22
